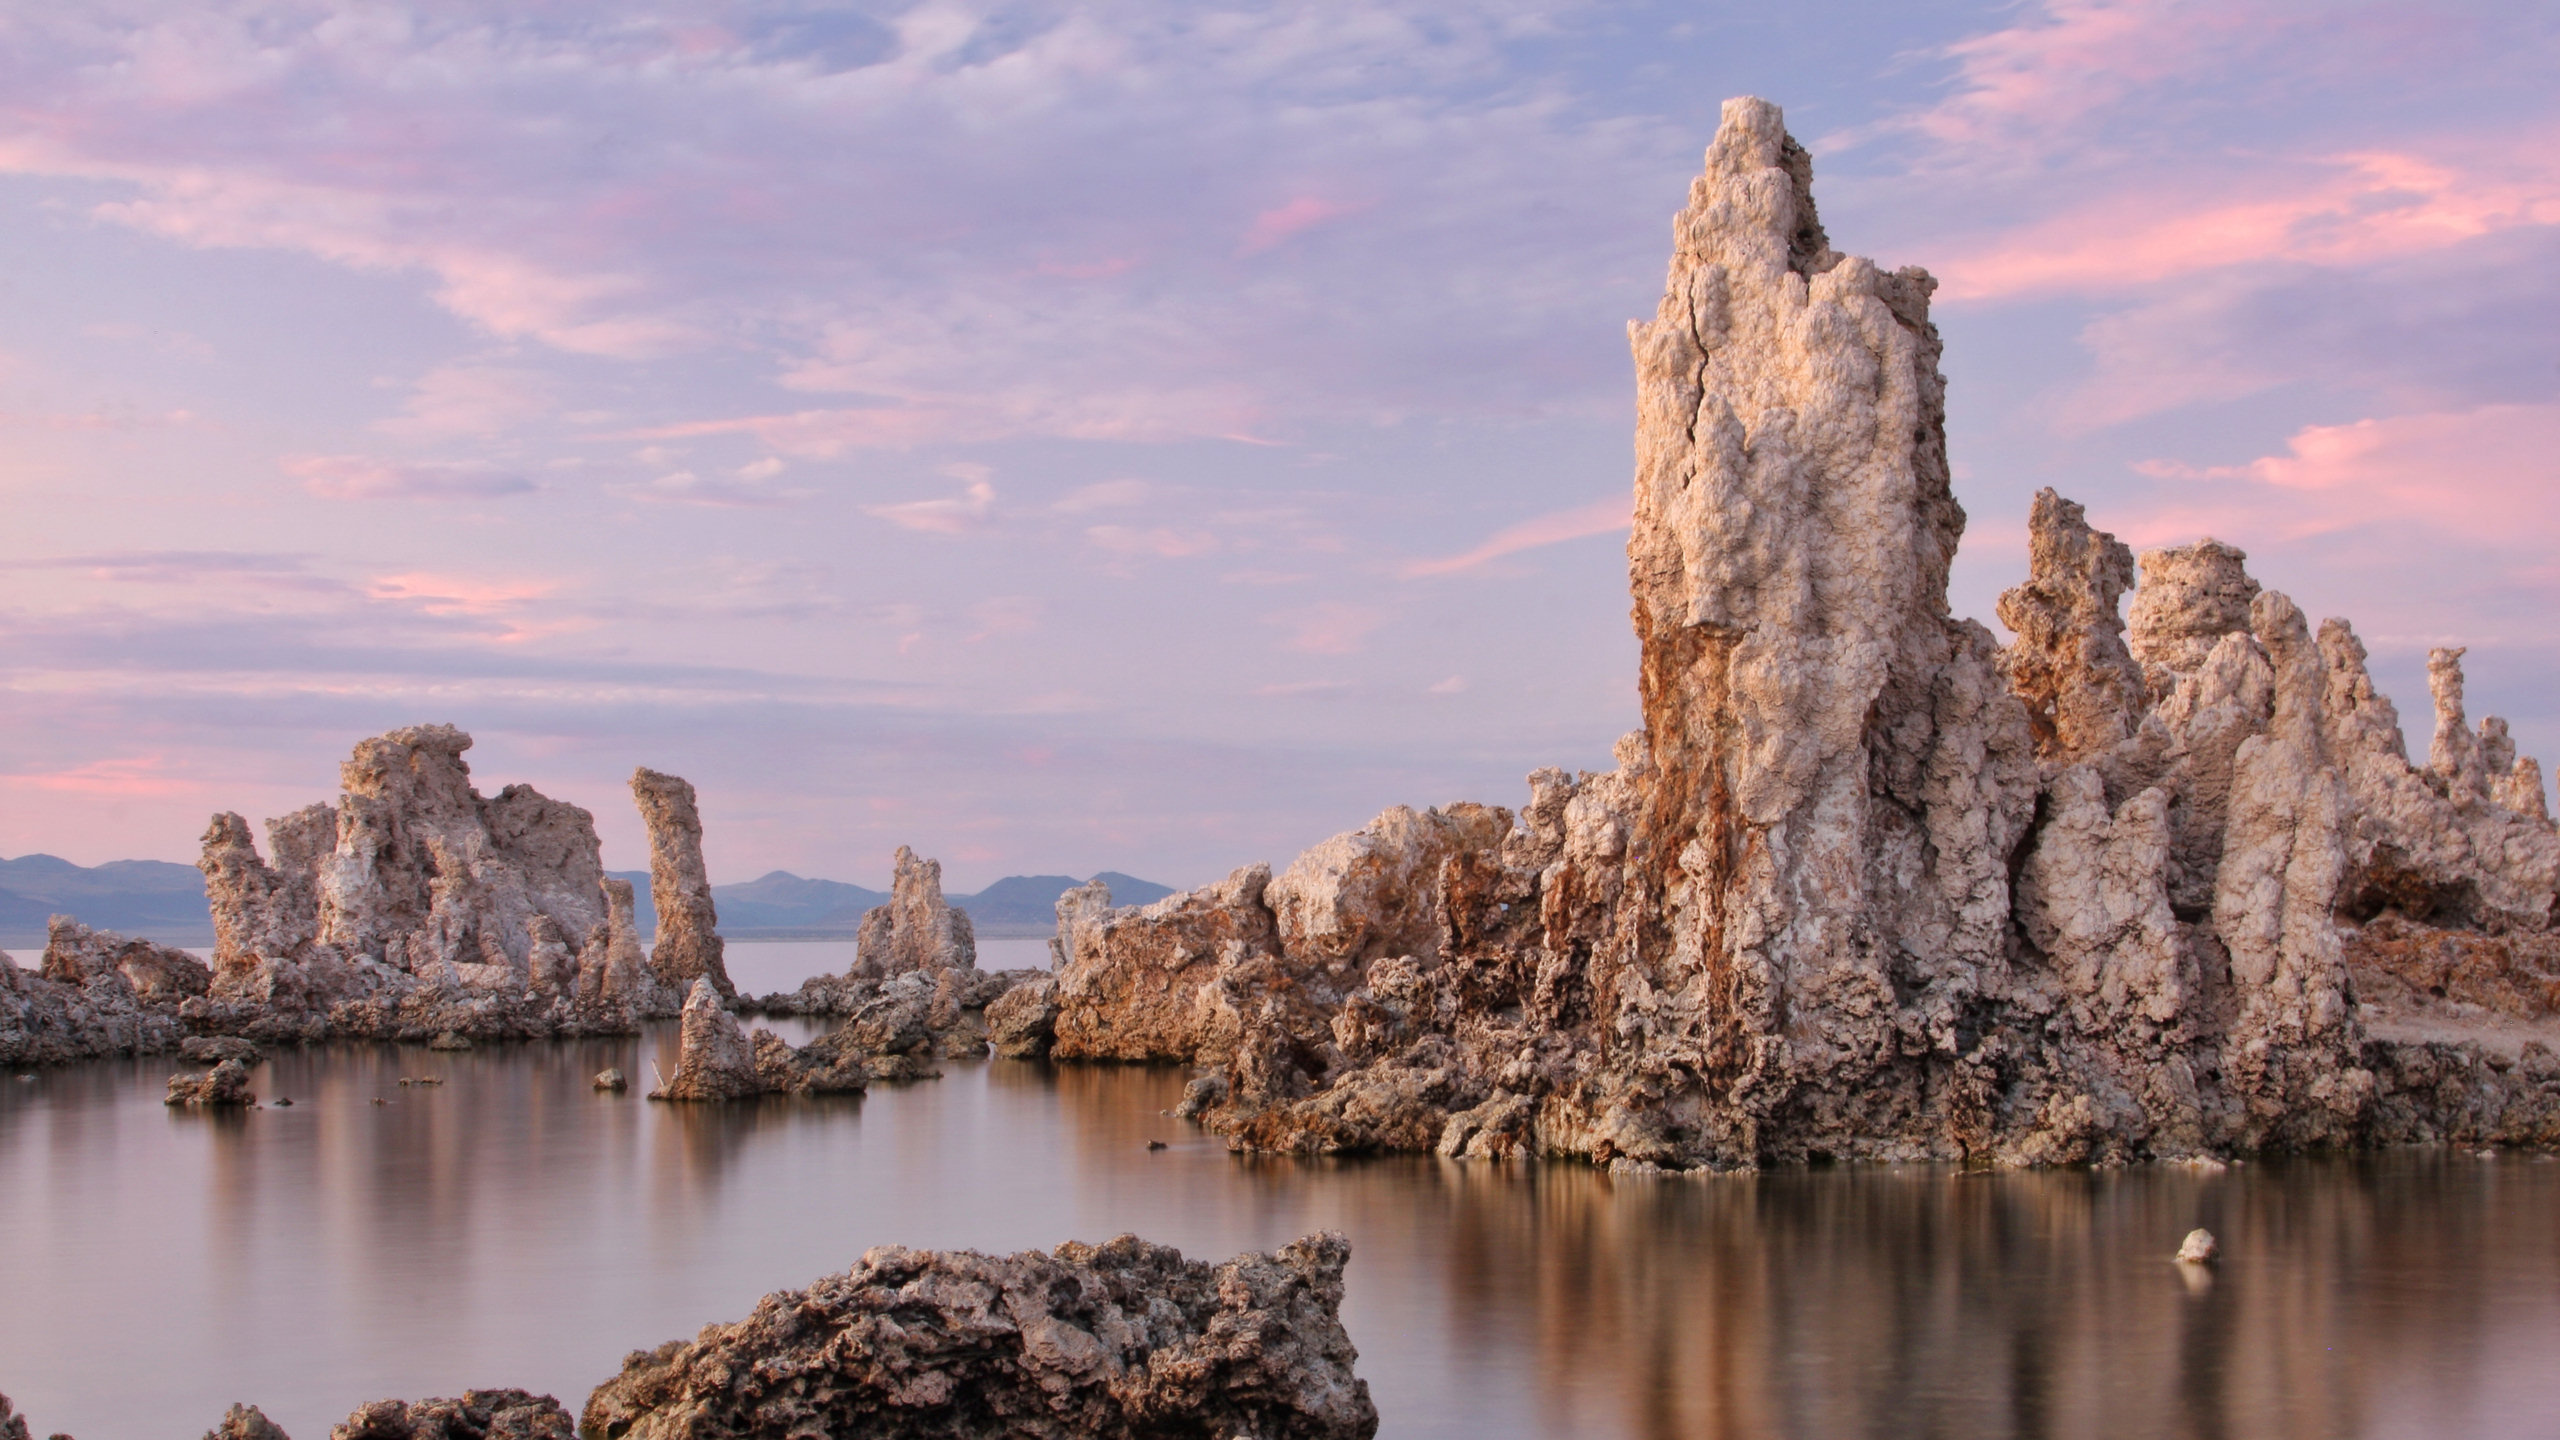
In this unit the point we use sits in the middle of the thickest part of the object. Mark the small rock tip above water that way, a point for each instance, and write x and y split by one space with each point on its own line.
2199 1248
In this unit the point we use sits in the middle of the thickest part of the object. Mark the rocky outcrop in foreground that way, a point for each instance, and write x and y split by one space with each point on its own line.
414 907
1867 883
1120 1341
1124 1339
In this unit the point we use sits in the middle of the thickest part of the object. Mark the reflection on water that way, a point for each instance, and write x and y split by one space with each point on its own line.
510 1226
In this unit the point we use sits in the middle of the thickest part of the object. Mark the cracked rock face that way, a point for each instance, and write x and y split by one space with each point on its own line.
1123 1339
916 930
688 943
1868 884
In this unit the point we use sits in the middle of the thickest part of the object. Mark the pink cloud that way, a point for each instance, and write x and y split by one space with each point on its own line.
1600 517
470 399
122 777
2354 210
1162 541
2025 86
969 510
1280 223
1329 628
2486 476
361 477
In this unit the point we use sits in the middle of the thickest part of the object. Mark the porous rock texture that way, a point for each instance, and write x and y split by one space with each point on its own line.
916 930
225 1084
688 944
914 991
717 1060
1867 884
475 1415
1095 1342
414 907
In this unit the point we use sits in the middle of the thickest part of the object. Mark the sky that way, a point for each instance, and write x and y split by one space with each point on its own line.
1153 437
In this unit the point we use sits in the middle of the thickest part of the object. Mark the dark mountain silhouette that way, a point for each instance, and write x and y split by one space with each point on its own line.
157 900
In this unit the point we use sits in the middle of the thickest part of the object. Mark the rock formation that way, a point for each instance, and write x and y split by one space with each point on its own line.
246 1422
95 993
915 930
414 907
1866 883
225 1084
717 1060
688 944
1124 1339
476 1415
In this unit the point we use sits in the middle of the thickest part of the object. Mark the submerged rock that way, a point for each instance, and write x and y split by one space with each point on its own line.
1124 1339
225 1084
1866 884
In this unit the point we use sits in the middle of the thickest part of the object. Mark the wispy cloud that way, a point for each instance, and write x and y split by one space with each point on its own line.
972 508
2347 210
2484 476
1600 517
362 477
1331 627
1280 223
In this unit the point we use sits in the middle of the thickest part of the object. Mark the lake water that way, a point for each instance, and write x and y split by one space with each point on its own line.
511 1227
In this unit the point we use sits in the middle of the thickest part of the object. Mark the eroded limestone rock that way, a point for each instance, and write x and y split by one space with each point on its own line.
475 1415
717 1060
1867 884
688 944
226 1084
714 1060
1097 1342
916 930
246 1422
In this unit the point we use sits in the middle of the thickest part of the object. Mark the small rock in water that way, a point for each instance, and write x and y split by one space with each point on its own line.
283 1100
1155 1144
378 1100
2199 1248
225 1084
611 1080
2488 1155
430 1079
449 1041
26 1079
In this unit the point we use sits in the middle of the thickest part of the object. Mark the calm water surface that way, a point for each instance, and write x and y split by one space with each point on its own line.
512 1227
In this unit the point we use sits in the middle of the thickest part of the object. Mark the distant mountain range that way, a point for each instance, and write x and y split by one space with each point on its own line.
149 898
784 903
161 901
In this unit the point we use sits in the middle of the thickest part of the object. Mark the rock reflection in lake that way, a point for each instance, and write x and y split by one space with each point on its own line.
511 1226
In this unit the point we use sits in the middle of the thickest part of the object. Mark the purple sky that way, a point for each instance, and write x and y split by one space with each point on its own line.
1152 436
